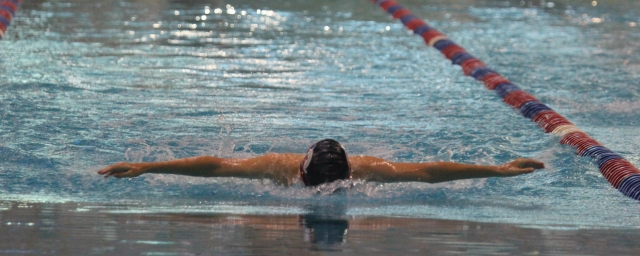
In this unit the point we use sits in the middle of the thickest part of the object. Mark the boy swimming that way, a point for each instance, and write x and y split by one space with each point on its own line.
325 161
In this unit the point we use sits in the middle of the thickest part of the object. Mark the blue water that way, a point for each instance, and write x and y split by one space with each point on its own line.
86 84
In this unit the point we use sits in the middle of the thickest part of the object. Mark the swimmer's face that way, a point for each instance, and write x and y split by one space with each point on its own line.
326 161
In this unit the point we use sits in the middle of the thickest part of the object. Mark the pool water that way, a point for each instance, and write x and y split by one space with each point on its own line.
86 84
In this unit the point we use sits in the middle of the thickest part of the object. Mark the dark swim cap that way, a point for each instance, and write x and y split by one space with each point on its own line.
326 161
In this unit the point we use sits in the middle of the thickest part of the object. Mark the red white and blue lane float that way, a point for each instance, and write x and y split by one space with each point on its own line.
8 9
622 175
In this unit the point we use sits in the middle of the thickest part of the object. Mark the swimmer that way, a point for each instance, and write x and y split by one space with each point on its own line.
325 161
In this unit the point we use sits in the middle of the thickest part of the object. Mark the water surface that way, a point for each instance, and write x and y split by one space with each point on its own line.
86 84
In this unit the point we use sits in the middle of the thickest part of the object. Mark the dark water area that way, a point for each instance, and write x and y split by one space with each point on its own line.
87 229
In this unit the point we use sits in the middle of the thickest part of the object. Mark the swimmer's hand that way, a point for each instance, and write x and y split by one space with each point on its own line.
123 170
519 166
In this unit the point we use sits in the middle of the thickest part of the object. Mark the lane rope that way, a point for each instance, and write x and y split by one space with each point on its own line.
622 175
8 9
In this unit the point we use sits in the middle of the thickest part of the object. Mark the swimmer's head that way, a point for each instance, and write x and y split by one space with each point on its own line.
326 161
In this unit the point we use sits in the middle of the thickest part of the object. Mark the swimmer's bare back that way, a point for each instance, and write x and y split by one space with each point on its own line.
284 168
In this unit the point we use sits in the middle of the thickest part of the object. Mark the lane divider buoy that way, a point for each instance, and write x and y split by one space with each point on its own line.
8 9
620 173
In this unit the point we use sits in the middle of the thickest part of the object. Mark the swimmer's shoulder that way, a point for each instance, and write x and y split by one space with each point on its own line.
368 167
363 160
282 157
280 167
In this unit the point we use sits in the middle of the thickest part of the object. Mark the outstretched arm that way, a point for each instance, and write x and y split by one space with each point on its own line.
271 166
376 169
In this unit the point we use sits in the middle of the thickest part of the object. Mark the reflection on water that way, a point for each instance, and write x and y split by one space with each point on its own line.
75 229
325 224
